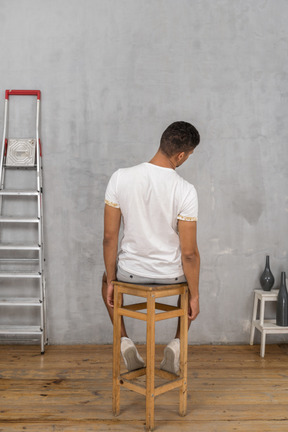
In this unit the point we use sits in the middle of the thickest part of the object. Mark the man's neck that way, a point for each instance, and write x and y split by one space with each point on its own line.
162 160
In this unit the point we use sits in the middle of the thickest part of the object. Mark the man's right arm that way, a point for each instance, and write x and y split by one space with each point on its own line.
191 263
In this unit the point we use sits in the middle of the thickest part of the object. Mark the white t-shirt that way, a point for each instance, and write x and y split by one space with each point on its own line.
151 199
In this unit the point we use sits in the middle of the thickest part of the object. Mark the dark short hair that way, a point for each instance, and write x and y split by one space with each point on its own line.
180 136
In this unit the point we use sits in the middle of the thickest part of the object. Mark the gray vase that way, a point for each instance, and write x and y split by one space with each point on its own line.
267 278
282 303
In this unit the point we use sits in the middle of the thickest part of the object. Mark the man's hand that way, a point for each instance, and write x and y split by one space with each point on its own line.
194 309
110 295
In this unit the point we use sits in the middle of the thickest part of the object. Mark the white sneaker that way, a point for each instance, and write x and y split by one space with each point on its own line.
131 357
170 362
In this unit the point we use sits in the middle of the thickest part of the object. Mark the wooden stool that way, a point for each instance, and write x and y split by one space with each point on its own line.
150 293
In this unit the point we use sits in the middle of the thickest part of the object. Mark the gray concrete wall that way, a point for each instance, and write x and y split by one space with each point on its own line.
113 75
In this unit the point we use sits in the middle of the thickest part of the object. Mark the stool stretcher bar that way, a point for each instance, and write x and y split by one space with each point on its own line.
134 374
132 314
159 306
129 311
164 374
160 389
168 386
132 386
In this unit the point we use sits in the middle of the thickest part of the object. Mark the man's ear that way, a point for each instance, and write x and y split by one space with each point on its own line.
180 156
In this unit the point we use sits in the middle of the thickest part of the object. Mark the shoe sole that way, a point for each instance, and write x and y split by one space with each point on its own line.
133 363
168 362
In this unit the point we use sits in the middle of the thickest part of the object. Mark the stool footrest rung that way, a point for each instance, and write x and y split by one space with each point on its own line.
132 314
132 386
125 381
165 375
143 305
163 388
134 374
168 311
136 306
167 315
159 306
165 307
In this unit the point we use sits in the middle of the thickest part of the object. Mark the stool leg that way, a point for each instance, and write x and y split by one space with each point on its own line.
254 316
263 343
116 352
150 362
262 311
183 354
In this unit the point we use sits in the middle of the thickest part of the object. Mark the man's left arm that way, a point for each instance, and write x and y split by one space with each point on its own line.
112 220
191 263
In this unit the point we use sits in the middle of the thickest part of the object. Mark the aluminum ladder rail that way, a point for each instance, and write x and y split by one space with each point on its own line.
39 330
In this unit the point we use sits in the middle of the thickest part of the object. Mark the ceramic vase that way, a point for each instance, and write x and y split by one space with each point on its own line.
282 303
267 278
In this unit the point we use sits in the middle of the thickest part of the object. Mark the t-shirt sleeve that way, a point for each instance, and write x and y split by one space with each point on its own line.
189 207
111 192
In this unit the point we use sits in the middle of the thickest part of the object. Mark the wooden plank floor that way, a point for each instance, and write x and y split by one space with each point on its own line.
69 389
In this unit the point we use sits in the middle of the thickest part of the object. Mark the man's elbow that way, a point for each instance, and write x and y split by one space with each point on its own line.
109 240
191 257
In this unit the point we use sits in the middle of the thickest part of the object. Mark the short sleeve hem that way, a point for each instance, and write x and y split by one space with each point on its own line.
111 204
185 218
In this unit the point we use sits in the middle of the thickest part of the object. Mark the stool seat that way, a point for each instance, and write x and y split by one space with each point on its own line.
155 311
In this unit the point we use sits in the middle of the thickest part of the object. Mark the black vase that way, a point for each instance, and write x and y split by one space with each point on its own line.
282 303
267 278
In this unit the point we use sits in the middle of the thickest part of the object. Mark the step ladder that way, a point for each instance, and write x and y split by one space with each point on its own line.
22 277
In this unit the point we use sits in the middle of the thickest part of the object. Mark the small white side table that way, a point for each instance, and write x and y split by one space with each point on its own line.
264 326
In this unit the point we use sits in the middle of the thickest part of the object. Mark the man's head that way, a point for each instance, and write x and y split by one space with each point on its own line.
179 137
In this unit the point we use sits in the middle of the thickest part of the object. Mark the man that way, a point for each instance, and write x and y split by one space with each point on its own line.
159 210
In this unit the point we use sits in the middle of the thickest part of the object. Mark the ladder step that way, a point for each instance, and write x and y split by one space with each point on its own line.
19 246
20 274
16 330
19 219
28 167
18 192
25 301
